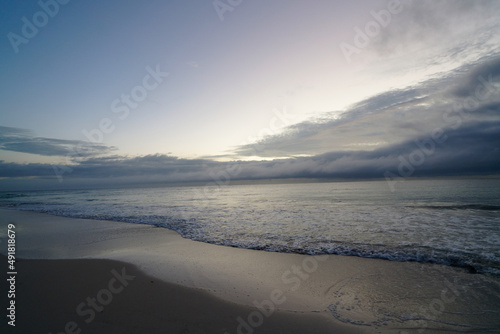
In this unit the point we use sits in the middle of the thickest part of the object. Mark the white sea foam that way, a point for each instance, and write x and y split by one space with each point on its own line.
448 222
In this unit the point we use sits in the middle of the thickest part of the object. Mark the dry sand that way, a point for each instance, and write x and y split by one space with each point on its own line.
183 286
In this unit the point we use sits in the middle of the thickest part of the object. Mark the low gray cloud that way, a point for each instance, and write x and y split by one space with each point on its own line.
472 149
470 93
22 140
447 126
487 71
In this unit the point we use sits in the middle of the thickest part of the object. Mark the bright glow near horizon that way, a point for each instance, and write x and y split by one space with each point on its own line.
226 78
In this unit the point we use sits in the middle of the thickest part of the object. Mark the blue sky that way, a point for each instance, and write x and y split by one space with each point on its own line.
249 83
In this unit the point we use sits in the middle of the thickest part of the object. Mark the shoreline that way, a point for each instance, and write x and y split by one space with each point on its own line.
471 268
347 293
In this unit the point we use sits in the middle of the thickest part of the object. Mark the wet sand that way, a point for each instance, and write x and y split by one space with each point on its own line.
183 286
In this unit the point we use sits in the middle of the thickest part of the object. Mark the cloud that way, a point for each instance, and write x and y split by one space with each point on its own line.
473 149
15 170
487 71
393 117
22 140
427 38
457 25
444 126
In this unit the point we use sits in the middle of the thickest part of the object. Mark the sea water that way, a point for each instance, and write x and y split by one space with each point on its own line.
451 222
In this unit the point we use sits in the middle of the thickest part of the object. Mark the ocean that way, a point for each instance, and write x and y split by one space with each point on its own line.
450 222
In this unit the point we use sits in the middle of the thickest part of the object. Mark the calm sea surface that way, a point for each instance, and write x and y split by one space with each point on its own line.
452 222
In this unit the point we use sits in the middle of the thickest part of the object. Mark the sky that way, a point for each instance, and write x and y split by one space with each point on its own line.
98 93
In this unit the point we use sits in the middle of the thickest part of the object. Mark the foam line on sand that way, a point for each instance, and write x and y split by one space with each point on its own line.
191 287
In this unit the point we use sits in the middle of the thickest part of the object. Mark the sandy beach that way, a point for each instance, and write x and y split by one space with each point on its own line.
90 276
250 167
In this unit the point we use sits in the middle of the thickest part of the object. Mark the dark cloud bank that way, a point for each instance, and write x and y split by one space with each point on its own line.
20 140
448 126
